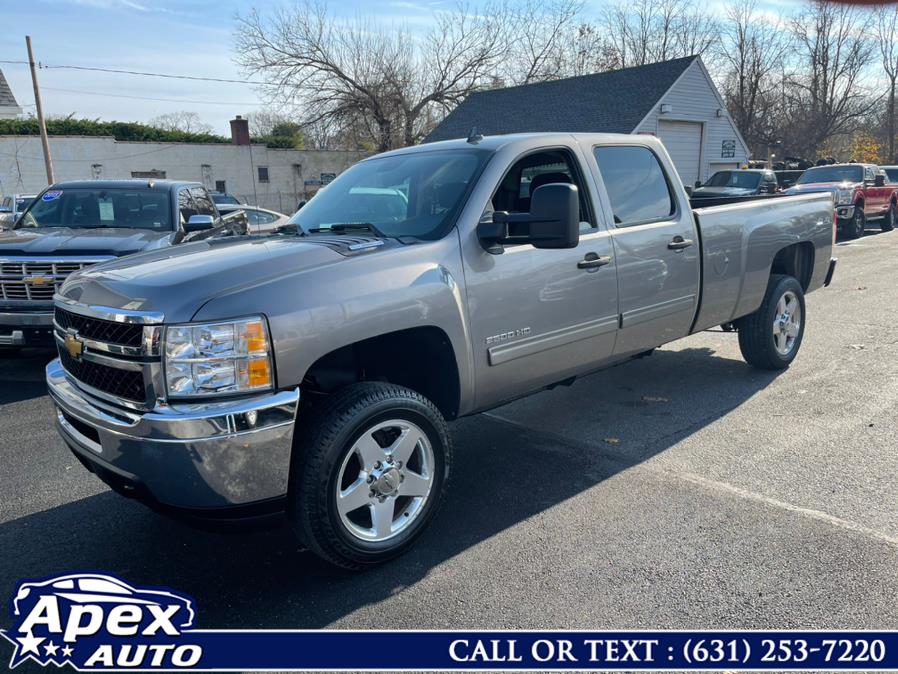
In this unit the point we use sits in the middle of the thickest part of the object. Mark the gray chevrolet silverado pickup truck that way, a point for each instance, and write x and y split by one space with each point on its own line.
72 225
314 373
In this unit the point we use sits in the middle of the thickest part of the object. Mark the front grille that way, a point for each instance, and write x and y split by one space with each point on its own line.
126 334
124 383
35 279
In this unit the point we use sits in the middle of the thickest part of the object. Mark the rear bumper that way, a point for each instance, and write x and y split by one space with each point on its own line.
26 328
212 460
830 272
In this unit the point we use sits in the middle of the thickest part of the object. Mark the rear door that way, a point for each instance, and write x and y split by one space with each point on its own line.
656 247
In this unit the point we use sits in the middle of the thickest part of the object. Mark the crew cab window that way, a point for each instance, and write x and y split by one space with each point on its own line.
203 201
636 184
535 170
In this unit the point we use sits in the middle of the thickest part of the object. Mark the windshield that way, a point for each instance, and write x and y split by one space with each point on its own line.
224 199
85 208
741 179
832 174
414 194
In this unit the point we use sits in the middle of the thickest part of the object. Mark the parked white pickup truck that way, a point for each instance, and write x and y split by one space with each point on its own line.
313 373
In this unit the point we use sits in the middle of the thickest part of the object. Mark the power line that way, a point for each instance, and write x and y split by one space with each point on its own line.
119 71
146 98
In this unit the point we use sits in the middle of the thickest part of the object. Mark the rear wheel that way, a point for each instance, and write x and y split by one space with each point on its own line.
855 227
770 337
368 474
888 222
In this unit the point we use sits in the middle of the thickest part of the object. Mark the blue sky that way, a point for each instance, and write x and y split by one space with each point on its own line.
189 37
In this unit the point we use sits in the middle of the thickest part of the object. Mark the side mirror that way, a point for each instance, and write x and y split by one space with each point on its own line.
879 180
199 223
553 221
698 183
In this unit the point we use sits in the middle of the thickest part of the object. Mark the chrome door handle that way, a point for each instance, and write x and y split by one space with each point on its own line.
679 243
593 261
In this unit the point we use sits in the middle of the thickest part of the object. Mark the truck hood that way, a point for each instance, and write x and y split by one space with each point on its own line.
178 281
722 191
821 187
63 241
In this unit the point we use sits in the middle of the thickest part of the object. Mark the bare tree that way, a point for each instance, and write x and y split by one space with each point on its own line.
539 32
647 31
364 75
183 120
887 36
752 52
829 96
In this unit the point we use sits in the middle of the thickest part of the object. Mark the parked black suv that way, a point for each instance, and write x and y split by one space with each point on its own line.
71 225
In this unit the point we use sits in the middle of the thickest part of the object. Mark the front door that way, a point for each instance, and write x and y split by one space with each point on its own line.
877 198
656 248
539 316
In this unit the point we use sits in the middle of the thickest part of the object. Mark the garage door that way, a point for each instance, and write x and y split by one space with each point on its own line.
683 141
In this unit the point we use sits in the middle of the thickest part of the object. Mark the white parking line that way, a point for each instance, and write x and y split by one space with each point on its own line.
818 515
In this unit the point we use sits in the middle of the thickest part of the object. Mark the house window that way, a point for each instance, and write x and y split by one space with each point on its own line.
221 186
263 174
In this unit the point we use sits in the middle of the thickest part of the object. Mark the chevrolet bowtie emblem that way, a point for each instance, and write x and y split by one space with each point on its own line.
39 280
74 346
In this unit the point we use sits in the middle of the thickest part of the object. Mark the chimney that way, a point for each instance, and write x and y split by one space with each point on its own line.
239 131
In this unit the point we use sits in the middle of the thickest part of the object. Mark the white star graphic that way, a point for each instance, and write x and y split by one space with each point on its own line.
51 648
67 651
29 644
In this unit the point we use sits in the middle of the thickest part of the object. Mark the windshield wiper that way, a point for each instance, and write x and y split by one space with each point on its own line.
349 227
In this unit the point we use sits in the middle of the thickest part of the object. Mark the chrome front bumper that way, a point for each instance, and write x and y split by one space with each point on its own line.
209 456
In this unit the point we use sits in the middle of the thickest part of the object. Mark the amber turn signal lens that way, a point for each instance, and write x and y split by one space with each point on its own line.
255 337
259 372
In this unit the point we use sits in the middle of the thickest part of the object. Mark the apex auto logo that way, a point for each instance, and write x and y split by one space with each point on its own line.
96 621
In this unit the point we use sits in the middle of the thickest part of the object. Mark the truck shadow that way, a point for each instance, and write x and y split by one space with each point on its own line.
510 465
22 374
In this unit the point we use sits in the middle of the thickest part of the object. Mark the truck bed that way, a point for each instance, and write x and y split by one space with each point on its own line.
740 238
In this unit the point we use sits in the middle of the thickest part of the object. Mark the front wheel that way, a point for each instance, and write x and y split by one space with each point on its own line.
855 227
770 337
368 474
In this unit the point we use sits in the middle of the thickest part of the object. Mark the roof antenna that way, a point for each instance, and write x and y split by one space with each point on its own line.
473 136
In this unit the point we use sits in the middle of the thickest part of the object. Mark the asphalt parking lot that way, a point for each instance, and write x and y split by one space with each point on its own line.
684 490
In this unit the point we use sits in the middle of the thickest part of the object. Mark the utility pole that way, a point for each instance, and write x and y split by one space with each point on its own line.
45 141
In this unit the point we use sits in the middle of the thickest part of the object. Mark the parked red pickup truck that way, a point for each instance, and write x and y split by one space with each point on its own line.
860 192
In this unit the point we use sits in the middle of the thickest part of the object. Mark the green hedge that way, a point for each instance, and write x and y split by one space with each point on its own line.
118 130
129 131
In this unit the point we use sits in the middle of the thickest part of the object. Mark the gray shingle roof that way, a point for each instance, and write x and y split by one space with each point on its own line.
7 100
612 102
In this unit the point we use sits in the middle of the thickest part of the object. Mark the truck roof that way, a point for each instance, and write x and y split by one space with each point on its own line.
129 183
501 140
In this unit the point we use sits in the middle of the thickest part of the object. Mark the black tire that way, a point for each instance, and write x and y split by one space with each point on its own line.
855 227
888 222
320 454
756 331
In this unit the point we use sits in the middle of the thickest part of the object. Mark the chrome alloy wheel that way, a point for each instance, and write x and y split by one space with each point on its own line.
786 323
385 480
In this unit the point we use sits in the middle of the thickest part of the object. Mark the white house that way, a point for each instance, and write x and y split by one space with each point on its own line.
9 107
674 100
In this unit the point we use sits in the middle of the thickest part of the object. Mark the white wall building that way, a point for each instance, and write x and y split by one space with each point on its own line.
9 107
272 178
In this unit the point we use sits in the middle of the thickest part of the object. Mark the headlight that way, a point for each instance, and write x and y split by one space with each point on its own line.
203 359
844 197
